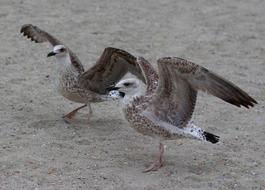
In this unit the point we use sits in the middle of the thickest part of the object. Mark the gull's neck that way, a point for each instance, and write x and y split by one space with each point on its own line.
129 97
64 64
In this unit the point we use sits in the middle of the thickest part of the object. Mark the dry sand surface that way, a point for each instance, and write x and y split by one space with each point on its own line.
38 150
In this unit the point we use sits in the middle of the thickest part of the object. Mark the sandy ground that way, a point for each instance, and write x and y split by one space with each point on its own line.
38 150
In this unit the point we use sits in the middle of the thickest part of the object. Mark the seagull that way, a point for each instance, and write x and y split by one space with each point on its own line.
78 85
164 109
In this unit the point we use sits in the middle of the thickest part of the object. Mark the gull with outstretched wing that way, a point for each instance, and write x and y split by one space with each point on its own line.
165 108
78 85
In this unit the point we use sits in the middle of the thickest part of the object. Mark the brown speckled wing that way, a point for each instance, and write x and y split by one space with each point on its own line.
150 75
112 65
39 36
180 79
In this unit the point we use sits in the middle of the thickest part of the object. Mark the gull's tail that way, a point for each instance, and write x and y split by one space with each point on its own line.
210 137
198 133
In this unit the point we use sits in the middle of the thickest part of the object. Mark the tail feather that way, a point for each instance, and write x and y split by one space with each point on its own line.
196 132
211 137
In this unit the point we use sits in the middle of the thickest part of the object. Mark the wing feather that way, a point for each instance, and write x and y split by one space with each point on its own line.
112 65
39 36
150 75
179 81
201 78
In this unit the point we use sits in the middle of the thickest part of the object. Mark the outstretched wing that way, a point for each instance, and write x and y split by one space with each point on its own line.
39 36
150 75
179 81
112 65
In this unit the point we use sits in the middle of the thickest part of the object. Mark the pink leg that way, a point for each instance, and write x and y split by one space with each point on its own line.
90 111
158 162
71 114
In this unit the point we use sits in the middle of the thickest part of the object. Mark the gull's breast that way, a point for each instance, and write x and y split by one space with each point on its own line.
142 124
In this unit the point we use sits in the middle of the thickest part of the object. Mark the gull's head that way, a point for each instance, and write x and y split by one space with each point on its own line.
126 89
128 86
58 51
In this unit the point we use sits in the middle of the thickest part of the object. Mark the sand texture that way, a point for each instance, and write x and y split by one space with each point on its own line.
39 151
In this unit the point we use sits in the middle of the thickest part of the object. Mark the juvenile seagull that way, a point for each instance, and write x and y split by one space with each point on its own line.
165 108
78 85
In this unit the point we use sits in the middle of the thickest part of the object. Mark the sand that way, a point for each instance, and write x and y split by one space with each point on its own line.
38 150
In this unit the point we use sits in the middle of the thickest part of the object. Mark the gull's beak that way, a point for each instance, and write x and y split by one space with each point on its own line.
51 54
110 88
122 94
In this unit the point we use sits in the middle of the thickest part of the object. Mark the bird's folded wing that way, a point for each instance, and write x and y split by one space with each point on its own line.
112 65
39 36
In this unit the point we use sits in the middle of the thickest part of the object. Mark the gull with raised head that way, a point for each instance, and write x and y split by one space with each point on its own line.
165 108
78 85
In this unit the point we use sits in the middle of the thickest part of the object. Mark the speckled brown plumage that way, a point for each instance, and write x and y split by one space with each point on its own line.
165 109
88 86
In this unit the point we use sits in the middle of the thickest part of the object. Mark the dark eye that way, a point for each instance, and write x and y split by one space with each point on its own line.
62 49
127 84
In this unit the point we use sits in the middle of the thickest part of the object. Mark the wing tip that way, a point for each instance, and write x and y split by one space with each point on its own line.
25 27
26 31
247 103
